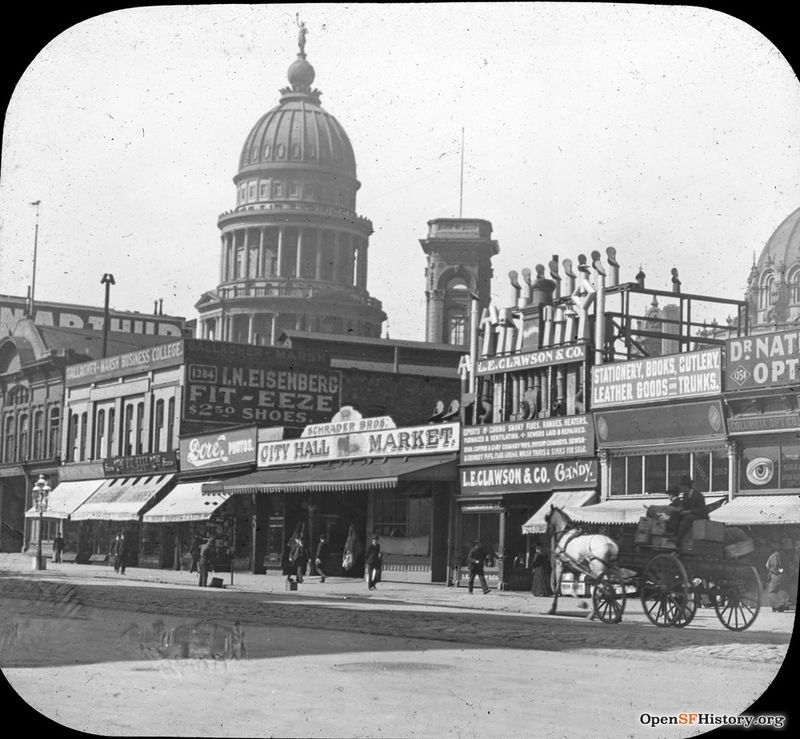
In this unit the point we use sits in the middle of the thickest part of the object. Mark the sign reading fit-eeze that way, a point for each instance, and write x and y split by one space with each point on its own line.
240 383
768 360
691 375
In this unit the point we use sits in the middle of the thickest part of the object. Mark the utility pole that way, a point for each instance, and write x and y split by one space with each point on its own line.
32 297
108 281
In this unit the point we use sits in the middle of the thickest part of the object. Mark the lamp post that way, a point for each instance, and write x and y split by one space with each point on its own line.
41 491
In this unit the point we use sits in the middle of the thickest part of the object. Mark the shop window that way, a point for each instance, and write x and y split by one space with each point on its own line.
618 476
719 471
53 431
38 435
678 466
655 473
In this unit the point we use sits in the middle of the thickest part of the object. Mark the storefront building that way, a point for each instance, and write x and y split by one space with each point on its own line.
352 477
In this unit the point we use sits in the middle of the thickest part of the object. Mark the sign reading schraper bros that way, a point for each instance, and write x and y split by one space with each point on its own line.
763 361
412 440
240 384
545 438
690 375
223 449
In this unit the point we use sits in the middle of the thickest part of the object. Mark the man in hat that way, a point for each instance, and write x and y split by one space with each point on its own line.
476 559
206 561
321 557
372 560
692 506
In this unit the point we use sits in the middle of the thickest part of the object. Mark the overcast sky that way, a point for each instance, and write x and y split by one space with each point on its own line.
670 133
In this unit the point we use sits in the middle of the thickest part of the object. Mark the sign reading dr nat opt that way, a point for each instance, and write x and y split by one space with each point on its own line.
769 360
691 375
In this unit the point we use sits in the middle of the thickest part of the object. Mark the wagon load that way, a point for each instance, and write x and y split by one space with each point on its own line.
737 543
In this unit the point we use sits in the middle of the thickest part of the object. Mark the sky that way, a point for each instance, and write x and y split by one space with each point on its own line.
668 132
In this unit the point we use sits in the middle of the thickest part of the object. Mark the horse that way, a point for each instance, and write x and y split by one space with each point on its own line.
569 546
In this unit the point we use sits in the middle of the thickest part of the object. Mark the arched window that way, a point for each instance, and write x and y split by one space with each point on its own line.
139 428
456 327
9 439
38 435
100 434
159 426
170 424
24 437
53 428
766 297
793 285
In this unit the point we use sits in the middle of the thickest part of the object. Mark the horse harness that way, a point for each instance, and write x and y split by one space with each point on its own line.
560 549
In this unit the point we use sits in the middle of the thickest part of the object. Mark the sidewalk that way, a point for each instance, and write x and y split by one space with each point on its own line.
436 596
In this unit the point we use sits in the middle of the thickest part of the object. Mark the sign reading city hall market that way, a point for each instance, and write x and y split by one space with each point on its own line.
690 375
242 383
396 442
763 361
543 438
528 478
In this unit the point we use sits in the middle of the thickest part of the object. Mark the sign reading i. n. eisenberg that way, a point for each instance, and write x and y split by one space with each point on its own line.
241 383
691 375
541 438
763 361
412 440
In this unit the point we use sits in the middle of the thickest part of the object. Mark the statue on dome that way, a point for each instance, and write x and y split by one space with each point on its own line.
301 34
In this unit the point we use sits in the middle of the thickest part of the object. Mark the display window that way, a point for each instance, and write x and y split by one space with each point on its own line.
656 473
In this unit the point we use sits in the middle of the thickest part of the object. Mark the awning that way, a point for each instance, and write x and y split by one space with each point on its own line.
618 511
571 498
186 502
365 474
760 509
122 498
65 498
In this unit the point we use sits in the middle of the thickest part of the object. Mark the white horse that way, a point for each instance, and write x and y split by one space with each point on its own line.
576 551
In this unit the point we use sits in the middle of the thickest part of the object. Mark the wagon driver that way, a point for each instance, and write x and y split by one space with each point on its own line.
692 507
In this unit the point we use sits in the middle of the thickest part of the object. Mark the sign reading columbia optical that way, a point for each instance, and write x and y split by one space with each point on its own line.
544 438
441 437
531 360
763 361
691 375
526 478
242 383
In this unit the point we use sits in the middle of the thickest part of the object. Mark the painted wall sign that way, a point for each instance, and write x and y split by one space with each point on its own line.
524 478
678 421
759 424
531 360
241 383
143 360
763 361
543 438
412 440
690 375
155 463
212 451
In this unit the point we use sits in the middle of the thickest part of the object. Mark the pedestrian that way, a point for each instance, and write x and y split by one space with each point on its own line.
372 561
321 557
194 553
540 569
692 507
476 559
205 561
114 553
778 588
122 553
58 547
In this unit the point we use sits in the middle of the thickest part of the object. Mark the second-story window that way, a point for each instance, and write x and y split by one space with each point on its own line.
84 451
53 431
100 434
127 439
171 424
9 439
159 426
139 428
38 435
24 437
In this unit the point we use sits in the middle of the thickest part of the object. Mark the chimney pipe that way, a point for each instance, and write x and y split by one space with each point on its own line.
570 281
553 266
155 307
599 309
640 275
676 283
526 287
613 273
515 288
542 288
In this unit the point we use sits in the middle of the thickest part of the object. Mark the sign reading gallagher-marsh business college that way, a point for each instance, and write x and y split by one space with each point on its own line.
241 383
763 361
691 375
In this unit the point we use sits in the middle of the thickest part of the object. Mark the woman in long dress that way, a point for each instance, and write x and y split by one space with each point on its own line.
540 567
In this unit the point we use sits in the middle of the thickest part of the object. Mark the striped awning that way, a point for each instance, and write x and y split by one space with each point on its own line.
621 511
65 498
365 474
186 502
752 510
562 499
122 498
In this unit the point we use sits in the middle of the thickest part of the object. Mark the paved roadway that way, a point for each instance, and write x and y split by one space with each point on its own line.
336 660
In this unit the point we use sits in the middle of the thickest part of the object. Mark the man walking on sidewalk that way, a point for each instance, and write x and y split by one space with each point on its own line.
321 557
476 559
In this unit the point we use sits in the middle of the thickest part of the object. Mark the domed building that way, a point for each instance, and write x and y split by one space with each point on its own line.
294 251
773 286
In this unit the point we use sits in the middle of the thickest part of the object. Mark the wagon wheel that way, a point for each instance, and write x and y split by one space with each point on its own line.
665 588
689 609
737 601
608 598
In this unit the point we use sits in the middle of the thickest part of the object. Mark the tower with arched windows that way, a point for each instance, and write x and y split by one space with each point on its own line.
459 252
294 251
773 286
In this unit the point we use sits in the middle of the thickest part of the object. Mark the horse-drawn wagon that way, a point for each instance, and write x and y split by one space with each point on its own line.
670 582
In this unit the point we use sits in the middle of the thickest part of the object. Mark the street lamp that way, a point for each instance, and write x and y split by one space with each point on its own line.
41 491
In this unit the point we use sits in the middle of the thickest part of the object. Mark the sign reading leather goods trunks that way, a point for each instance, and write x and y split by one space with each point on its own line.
155 463
528 477
691 375
543 438
441 437
143 360
763 361
532 360
240 383
219 449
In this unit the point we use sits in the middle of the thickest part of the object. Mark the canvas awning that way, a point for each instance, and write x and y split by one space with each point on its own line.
620 511
748 510
186 502
567 498
65 497
122 498
363 474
